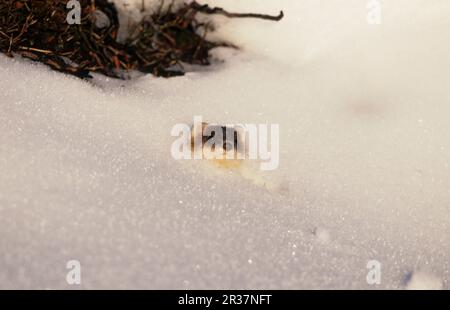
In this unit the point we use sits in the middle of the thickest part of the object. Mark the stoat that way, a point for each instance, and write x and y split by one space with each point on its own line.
229 154
232 153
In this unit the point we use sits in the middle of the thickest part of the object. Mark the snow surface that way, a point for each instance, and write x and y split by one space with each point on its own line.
86 171
423 281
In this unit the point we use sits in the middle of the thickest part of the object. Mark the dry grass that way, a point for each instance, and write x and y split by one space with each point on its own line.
159 43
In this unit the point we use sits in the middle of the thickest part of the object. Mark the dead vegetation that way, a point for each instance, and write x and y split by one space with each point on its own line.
158 44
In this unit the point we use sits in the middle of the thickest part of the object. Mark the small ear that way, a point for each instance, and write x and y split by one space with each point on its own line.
239 128
240 131
199 128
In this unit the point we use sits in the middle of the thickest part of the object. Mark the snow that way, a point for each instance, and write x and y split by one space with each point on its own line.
86 171
423 281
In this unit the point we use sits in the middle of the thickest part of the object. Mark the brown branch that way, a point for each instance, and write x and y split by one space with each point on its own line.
219 11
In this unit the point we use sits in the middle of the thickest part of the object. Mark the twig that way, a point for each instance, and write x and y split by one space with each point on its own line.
35 50
219 11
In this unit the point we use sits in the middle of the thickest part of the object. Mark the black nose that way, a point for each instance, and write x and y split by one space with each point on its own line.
228 146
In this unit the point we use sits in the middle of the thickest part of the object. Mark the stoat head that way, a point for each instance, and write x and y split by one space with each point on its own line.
231 138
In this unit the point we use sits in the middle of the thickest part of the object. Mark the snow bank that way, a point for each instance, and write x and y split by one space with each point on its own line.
86 171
